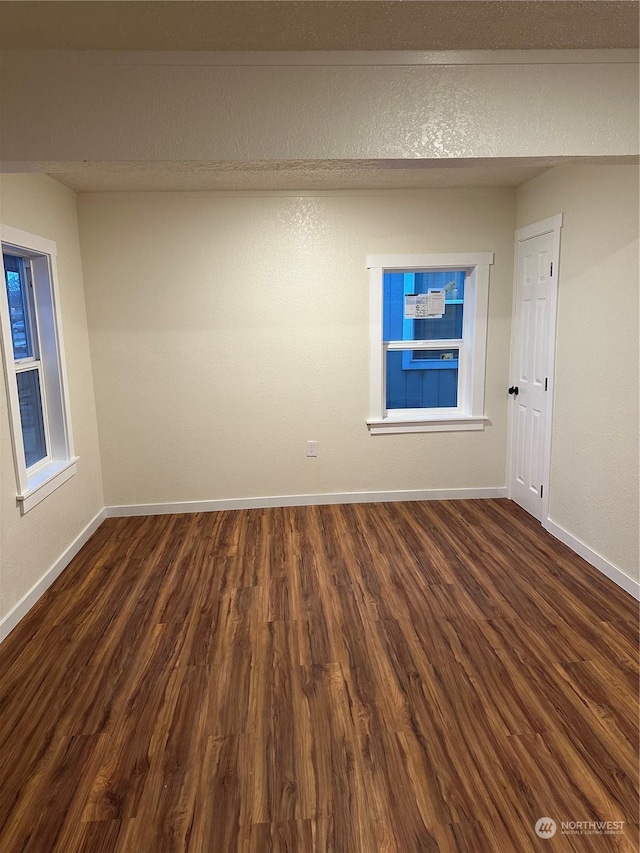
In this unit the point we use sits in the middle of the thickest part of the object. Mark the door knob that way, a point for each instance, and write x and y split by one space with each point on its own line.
514 390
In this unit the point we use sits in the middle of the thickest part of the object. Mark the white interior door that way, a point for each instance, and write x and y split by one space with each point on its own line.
532 353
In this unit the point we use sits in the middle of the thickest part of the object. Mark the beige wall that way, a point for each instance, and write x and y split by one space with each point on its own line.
228 330
594 471
31 544
110 105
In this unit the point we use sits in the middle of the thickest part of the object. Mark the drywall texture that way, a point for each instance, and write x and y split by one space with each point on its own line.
594 467
30 544
114 106
226 331
309 25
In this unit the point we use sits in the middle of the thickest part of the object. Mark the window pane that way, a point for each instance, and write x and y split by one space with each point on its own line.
422 379
35 447
397 285
18 307
448 356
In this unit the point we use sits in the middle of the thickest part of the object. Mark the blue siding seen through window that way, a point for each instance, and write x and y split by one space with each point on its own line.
431 386
417 379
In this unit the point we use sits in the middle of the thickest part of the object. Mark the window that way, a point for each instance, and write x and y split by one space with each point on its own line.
34 368
428 328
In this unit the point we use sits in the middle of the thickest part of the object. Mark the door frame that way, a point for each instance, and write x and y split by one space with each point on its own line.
551 225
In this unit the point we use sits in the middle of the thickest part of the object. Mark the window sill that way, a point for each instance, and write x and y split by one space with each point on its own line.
44 481
452 423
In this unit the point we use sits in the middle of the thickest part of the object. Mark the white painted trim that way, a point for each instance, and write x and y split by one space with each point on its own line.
469 413
35 328
46 480
18 166
9 622
439 343
377 383
450 260
305 500
512 345
15 426
30 243
328 57
599 562
60 463
552 224
444 423
537 229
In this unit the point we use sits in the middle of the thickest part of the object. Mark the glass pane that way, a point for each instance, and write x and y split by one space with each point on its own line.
397 285
35 447
449 356
422 379
18 307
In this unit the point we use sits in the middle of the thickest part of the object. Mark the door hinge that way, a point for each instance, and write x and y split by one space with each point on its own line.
541 489
551 270
546 381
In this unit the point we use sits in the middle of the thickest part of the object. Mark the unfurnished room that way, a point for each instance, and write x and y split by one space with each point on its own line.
319 447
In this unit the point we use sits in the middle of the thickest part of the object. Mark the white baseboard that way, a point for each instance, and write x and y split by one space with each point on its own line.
9 622
304 500
597 560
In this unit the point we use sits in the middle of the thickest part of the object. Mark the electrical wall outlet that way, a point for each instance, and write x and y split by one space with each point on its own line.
312 448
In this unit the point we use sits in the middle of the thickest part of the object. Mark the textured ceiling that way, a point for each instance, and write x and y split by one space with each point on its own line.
301 175
307 25
311 25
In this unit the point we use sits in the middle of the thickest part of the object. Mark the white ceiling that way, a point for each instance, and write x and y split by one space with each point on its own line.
309 25
188 176
303 176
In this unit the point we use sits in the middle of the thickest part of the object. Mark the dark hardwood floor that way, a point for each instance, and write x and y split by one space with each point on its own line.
387 678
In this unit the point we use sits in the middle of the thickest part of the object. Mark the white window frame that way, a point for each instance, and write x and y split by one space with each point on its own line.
38 481
469 413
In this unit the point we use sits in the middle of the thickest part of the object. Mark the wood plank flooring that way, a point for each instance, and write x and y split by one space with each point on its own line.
387 678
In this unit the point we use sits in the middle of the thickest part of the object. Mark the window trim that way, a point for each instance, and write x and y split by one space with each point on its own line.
41 479
33 362
469 414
